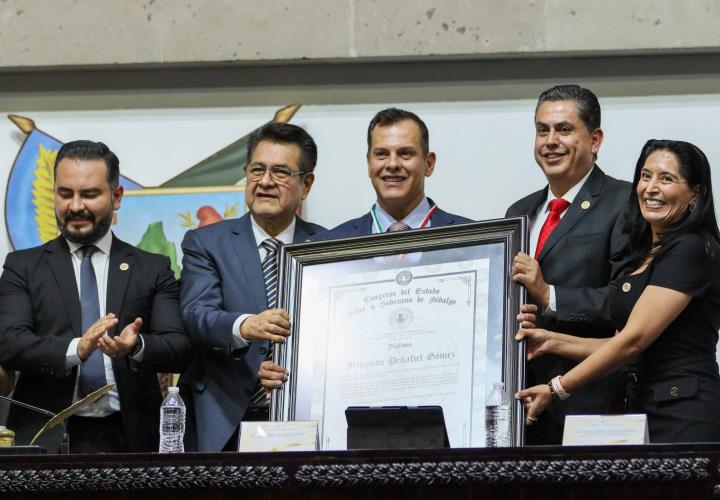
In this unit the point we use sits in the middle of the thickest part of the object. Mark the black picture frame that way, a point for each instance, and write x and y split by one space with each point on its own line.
308 271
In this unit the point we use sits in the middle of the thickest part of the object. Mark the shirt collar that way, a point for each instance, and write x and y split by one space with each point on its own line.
103 244
287 235
413 219
570 195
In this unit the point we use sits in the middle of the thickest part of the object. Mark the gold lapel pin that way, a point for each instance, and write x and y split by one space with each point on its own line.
626 287
124 266
585 205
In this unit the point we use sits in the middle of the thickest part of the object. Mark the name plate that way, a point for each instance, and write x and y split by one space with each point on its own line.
278 436
605 430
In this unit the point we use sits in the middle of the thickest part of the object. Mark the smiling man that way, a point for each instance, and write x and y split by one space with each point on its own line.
228 286
85 310
398 160
576 245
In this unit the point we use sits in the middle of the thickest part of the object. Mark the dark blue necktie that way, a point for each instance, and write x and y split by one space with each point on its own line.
92 372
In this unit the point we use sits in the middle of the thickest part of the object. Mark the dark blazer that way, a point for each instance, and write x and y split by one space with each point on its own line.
362 226
580 258
40 315
222 279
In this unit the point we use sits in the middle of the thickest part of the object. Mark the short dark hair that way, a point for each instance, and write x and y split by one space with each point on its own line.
90 150
286 133
587 103
391 116
695 169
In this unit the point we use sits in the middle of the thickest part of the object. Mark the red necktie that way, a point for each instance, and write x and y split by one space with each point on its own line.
557 207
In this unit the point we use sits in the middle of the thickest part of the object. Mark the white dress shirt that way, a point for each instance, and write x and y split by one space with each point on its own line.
413 219
286 236
101 263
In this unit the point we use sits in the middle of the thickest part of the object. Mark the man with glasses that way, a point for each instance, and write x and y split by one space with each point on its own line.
229 280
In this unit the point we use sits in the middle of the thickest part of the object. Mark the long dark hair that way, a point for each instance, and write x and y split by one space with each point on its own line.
695 169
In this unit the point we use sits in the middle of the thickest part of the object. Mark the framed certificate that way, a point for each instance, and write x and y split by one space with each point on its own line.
422 317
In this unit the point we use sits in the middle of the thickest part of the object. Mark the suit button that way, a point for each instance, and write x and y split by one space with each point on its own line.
263 351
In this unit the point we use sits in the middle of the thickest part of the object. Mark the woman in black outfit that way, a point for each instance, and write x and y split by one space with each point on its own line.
666 309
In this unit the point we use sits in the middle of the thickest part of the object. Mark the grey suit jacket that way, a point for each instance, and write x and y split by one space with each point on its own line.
581 256
40 314
222 279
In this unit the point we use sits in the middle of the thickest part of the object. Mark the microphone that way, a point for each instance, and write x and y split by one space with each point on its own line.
65 444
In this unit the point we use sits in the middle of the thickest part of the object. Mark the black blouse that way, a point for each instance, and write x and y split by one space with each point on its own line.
682 265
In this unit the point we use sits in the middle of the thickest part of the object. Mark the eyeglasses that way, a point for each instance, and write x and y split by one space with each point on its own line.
278 173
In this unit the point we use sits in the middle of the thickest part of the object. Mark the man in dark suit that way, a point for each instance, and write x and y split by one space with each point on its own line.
226 303
576 238
86 309
399 159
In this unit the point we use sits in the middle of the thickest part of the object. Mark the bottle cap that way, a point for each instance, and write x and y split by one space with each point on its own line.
7 437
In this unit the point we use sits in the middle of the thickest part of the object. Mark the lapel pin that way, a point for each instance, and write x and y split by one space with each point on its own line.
626 287
585 205
124 266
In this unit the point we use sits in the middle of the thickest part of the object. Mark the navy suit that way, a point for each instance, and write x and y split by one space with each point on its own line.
363 226
222 279
585 251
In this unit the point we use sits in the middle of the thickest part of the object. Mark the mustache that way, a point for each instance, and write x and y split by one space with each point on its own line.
84 215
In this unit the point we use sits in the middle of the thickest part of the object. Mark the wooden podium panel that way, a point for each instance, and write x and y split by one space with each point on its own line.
586 473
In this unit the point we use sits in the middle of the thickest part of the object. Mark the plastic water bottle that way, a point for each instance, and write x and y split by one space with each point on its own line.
172 423
497 417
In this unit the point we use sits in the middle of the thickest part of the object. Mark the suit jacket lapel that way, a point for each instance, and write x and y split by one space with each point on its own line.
534 204
304 232
121 267
61 267
440 217
247 251
364 225
575 212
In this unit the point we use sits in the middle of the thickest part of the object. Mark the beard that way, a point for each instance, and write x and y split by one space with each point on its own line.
98 230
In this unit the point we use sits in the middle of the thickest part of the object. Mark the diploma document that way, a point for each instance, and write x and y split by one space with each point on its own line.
412 328
408 338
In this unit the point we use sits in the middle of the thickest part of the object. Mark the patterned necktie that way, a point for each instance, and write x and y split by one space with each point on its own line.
270 270
397 226
270 277
92 371
557 207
